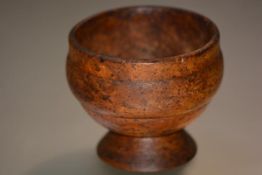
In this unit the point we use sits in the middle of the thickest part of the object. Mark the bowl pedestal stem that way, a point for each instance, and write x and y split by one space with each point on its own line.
147 154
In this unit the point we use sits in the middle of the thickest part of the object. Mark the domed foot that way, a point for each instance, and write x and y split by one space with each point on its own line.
147 154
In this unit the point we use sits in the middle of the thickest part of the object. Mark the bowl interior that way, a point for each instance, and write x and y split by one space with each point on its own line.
144 33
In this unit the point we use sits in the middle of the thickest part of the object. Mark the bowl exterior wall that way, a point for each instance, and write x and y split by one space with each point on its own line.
126 95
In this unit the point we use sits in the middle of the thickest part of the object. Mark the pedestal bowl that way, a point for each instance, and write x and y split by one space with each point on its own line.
145 73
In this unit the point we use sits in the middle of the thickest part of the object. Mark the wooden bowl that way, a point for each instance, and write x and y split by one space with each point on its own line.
144 73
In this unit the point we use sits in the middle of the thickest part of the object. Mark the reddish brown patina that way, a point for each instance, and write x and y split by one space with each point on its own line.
145 73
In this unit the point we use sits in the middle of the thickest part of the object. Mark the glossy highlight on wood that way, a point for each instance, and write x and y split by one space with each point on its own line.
145 73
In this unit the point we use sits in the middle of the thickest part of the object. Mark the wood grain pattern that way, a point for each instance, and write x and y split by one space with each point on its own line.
145 72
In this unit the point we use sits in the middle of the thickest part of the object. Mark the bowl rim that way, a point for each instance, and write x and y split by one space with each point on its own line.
214 39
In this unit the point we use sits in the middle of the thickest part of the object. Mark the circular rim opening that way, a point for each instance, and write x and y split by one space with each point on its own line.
213 39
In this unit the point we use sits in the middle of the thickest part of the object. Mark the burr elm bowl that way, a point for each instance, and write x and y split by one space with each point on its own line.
145 73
